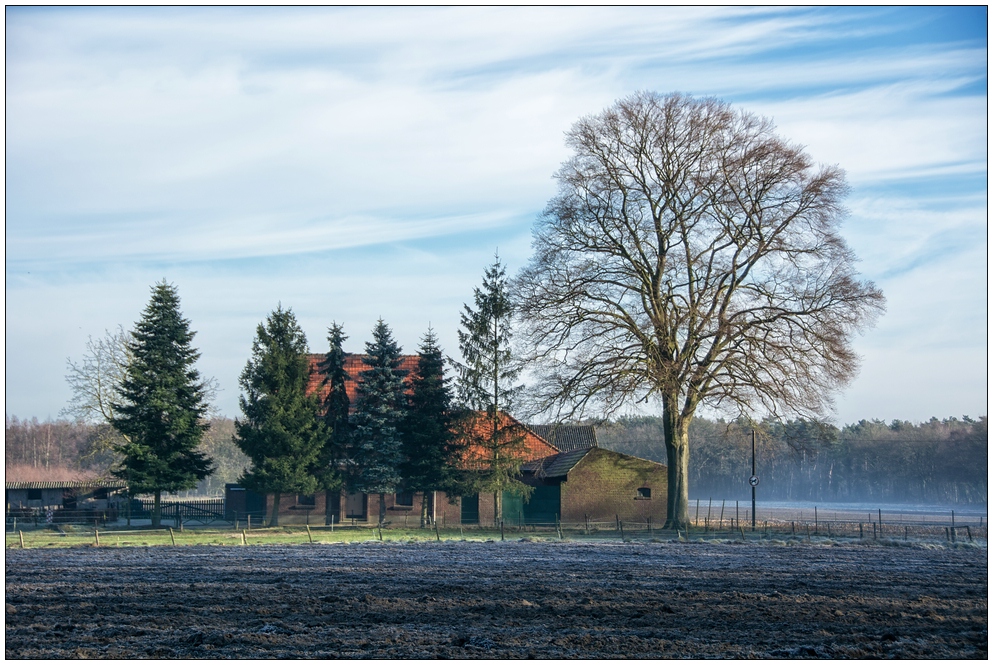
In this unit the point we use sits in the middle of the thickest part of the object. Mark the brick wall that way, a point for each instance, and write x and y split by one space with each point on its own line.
604 484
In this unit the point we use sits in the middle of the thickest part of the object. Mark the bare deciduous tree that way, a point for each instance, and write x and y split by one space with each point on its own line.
94 381
693 257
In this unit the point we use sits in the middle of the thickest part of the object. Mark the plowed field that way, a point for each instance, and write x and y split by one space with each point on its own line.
498 600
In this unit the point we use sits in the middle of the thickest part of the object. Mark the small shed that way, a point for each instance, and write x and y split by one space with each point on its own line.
67 494
592 483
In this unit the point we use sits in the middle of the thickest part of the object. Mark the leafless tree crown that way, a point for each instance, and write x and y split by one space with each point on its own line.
691 254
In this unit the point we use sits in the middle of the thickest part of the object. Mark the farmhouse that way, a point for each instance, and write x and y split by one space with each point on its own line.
571 477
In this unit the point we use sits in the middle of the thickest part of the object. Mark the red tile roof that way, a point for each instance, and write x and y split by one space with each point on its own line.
531 447
354 366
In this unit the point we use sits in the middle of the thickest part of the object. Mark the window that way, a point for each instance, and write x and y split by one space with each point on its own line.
405 498
34 495
644 493
306 500
100 493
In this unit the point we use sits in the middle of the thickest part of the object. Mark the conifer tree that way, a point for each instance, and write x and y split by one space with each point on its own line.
162 406
379 410
280 431
430 446
334 412
487 383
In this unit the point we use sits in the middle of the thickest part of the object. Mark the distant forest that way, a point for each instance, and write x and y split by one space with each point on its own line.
939 461
936 462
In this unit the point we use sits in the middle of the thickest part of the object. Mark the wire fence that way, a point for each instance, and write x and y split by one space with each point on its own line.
55 535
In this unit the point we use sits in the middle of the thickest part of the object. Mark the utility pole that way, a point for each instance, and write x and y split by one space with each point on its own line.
754 480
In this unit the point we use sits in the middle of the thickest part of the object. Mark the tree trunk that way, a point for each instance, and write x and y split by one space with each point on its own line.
497 507
425 519
382 508
274 513
677 453
157 510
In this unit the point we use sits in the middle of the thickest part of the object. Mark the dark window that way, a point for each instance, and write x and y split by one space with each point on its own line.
305 500
100 493
644 492
34 495
405 498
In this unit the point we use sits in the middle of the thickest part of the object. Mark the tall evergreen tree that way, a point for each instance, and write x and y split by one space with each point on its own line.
379 410
429 443
162 408
334 412
487 383
280 432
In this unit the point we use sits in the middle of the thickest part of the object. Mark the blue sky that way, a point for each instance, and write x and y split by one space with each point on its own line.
362 163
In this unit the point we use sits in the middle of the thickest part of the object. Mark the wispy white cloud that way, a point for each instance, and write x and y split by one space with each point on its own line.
253 154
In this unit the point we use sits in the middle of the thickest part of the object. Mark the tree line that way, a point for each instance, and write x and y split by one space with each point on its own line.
934 462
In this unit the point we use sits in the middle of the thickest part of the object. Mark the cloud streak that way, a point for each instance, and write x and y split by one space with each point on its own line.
234 146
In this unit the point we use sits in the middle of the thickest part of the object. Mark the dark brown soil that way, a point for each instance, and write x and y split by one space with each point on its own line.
498 600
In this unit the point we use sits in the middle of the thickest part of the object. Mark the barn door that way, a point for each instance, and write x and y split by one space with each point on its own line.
356 505
470 509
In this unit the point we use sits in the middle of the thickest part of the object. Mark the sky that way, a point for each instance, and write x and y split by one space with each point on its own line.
362 163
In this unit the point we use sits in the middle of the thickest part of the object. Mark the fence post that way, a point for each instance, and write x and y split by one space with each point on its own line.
96 535
721 527
310 537
249 521
696 520
501 528
709 506
968 532
617 520
621 525
172 537
437 534
244 537
20 536
816 525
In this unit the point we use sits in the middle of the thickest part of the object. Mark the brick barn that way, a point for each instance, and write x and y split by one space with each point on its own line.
573 479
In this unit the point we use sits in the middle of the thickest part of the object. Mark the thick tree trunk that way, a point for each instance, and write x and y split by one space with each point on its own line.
677 453
497 507
157 510
274 513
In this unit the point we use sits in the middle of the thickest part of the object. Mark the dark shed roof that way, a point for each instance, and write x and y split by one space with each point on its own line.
567 437
65 484
555 466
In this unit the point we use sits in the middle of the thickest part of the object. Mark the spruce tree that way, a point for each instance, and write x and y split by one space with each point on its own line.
334 412
162 404
379 410
487 383
280 431
430 446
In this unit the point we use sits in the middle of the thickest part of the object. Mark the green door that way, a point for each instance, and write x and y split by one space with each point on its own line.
513 508
544 506
470 509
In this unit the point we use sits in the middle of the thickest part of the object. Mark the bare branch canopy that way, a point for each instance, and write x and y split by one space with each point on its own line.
693 256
